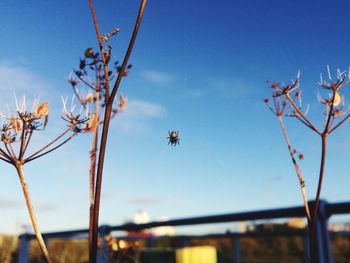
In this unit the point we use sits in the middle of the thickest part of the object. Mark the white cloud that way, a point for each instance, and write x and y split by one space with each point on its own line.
157 77
134 118
20 80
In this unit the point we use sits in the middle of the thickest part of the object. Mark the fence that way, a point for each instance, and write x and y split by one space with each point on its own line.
323 249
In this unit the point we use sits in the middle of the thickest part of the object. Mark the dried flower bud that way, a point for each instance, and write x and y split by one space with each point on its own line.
115 30
91 123
42 110
122 101
337 99
337 113
301 157
16 124
90 97
82 64
89 52
73 82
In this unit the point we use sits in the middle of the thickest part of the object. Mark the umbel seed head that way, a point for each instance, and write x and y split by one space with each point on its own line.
42 110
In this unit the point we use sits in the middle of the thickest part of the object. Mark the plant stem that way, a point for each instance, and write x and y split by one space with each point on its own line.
297 170
99 40
320 178
107 117
93 157
48 145
37 232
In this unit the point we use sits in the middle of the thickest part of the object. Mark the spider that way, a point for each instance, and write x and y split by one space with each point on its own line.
173 138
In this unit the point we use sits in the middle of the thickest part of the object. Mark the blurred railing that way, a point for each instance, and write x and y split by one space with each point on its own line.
324 253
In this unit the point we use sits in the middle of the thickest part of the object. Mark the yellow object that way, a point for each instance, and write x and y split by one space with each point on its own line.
202 254
337 99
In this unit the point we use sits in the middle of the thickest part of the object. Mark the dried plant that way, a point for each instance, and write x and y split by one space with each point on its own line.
89 86
100 96
287 102
16 134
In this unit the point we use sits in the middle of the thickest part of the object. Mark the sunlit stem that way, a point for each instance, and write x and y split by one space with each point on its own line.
52 149
320 178
31 211
107 116
48 145
27 141
93 159
297 170
308 123
99 40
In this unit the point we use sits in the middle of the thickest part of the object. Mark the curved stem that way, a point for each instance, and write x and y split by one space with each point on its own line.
106 121
320 178
128 52
297 170
37 232
99 40
93 157
308 123
23 141
48 145
54 148
338 124
27 142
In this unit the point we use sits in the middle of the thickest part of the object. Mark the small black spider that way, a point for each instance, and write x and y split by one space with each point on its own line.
173 138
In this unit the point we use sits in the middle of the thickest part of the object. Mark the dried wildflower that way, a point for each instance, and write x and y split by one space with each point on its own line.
337 99
89 52
122 101
42 110
91 123
90 97
115 30
16 124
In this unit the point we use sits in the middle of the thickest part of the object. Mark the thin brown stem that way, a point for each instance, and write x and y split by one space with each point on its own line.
86 82
31 211
23 140
48 145
10 150
99 40
106 121
338 124
128 52
297 170
320 178
93 157
308 123
6 160
27 142
54 148
329 115
7 156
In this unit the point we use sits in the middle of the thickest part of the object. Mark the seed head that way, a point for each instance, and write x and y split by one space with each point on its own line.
122 101
16 124
89 52
42 110
90 97
91 123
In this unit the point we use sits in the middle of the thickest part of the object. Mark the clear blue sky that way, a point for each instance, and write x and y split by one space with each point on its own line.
200 67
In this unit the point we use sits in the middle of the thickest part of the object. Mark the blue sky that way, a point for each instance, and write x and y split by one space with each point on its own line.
200 67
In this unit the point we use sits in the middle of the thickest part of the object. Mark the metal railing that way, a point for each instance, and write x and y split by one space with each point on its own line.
323 244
